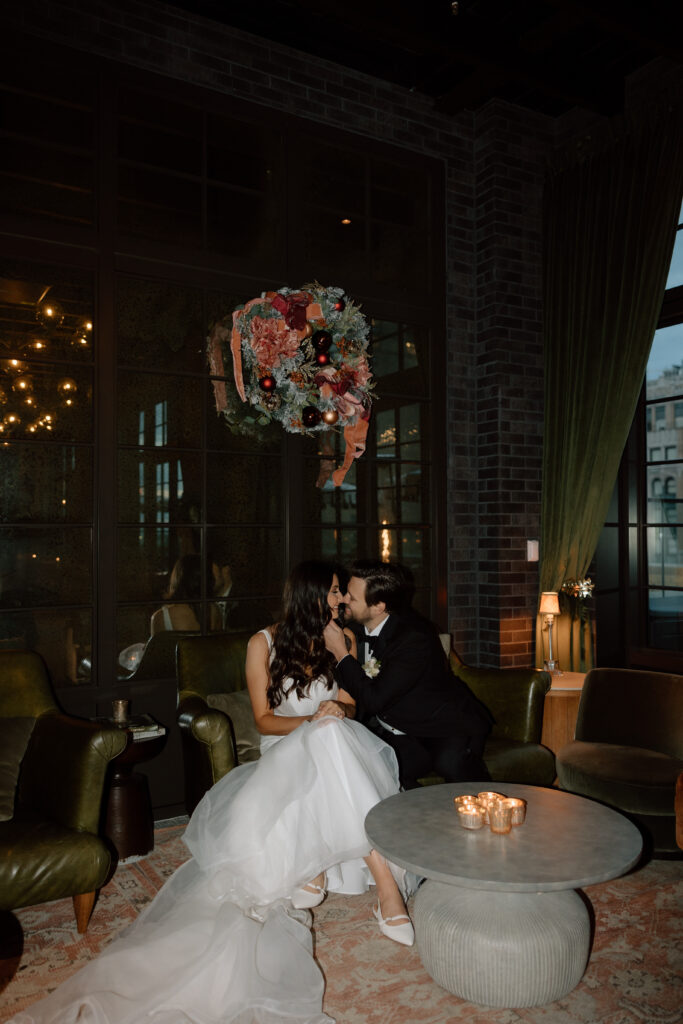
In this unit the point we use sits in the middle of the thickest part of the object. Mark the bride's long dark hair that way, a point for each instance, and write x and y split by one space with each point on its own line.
300 654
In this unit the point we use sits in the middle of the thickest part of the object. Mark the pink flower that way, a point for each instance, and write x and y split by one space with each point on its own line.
272 341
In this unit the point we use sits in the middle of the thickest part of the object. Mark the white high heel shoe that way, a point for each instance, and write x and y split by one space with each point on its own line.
402 933
309 896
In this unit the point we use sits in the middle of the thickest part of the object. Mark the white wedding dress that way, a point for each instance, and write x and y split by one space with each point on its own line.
221 943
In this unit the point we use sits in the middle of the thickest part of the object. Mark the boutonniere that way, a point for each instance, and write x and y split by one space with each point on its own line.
372 666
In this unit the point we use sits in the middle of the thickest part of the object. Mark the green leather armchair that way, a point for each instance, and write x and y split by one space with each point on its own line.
515 697
628 748
214 713
52 775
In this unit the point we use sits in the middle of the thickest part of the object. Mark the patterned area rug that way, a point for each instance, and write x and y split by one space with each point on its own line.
635 973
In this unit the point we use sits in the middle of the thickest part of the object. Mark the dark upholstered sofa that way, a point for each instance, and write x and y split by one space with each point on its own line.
218 731
515 697
628 748
52 776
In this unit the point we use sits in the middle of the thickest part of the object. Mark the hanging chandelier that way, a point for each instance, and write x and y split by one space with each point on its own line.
33 395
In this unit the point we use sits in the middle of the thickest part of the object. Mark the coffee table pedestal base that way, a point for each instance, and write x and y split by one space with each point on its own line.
501 948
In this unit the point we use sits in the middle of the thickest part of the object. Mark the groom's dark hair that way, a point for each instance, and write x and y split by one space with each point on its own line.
384 581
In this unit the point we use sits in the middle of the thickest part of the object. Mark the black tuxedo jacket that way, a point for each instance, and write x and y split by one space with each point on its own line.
415 690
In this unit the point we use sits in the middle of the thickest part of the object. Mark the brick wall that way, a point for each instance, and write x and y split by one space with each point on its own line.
494 170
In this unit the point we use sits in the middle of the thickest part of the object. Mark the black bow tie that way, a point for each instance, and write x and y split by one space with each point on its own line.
372 642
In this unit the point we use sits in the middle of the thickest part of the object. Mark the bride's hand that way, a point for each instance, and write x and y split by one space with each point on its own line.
335 640
328 708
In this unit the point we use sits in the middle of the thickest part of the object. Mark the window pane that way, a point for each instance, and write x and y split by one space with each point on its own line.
665 620
47 136
159 411
330 504
159 132
409 547
675 277
159 487
63 638
42 566
400 358
160 325
664 366
244 489
46 313
146 556
332 545
53 481
665 554
40 401
255 555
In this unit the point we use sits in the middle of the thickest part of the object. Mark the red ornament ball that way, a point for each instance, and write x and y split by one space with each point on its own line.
267 383
322 358
340 305
322 341
310 416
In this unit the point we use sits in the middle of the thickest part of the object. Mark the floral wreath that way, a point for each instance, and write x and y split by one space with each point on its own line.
300 357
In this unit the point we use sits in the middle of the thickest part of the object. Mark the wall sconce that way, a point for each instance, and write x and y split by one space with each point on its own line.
550 607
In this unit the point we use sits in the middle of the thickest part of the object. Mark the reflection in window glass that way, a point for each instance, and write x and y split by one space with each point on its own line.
53 481
397 348
157 487
329 504
331 545
385 431
156 410
160 325
244 489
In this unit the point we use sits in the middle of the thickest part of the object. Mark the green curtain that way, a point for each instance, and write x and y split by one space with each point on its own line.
610 217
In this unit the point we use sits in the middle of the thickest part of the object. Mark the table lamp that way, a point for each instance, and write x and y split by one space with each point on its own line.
549 606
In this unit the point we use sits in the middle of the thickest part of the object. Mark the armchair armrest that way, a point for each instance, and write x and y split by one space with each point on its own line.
208 746
64 769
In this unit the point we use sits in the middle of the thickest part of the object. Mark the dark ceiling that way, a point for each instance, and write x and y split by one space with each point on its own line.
548 55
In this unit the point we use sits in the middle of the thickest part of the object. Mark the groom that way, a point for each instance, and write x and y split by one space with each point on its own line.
430 718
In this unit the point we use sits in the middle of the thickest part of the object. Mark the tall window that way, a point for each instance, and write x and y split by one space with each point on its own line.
639 562
162 207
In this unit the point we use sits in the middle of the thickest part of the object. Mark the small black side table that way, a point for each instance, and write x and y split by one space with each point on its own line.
129 822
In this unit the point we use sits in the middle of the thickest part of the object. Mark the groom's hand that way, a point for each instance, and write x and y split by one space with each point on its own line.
335 640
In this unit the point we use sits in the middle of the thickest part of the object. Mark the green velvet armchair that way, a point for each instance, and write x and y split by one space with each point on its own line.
628 748
214 712
515 698
52 775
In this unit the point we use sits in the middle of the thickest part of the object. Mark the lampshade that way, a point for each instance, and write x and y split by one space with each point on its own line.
550 603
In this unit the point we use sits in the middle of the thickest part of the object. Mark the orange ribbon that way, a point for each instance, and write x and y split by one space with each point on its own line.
354 435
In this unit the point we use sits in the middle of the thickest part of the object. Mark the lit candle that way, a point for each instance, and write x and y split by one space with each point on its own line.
466 799
471 816
500 816
518 807
487 798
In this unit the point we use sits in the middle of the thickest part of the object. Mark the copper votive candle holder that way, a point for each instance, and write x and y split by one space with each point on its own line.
459 801
518 808
486 798
500 817
471 816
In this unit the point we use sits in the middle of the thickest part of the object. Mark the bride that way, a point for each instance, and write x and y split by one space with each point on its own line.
227 939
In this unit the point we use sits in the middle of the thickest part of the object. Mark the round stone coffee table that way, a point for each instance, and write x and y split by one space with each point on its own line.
498 920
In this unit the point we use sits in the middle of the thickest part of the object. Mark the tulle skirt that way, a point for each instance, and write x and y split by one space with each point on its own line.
221 943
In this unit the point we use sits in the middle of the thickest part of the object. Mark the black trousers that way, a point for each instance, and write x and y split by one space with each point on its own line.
454 758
